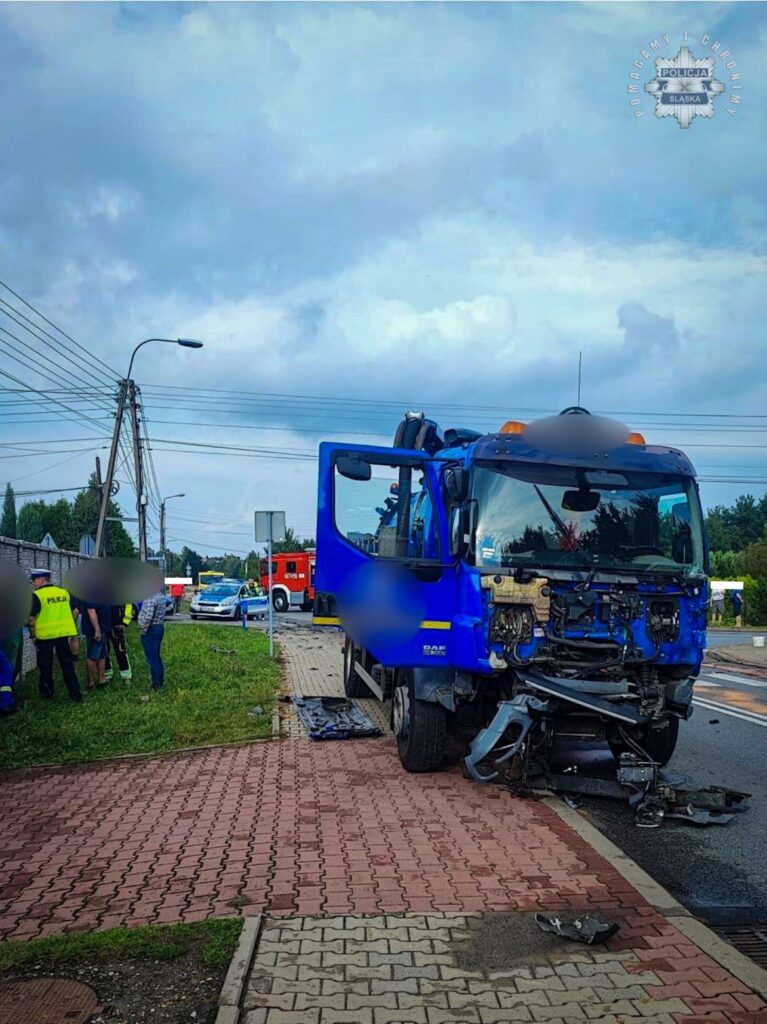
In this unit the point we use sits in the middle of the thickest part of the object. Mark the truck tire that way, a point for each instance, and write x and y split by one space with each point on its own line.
279 601
658 743
354 684
420 728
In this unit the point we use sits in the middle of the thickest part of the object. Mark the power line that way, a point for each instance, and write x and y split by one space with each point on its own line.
53 344
50 323
53 465
504 410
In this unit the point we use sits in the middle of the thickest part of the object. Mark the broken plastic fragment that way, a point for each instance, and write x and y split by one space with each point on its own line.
586 929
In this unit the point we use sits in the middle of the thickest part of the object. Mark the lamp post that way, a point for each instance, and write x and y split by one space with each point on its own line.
128 393
184 342
162 529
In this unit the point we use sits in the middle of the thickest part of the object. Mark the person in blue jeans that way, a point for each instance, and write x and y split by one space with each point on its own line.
151 623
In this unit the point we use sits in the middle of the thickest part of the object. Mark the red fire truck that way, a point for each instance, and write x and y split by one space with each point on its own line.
292 580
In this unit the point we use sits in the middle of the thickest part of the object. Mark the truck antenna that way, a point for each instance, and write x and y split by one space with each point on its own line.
580 363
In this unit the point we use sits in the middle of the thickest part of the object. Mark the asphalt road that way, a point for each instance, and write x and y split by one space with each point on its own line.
293 618
730 637
718 872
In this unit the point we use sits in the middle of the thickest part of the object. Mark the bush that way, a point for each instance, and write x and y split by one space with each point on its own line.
754 601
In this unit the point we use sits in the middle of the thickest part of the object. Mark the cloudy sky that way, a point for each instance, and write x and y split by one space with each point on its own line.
376 207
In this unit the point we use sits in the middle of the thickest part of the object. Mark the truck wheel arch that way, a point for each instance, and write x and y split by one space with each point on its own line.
434 685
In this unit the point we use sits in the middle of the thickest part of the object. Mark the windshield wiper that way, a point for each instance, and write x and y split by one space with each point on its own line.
570 540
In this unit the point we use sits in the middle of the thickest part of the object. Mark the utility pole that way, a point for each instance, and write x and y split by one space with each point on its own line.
162 539
271 605
100 486
106 491
139 467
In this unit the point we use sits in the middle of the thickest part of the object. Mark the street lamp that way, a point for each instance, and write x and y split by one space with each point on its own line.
128 393
184 342
162 526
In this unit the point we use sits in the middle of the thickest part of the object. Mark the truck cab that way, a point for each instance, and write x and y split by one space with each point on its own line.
556 569
292 579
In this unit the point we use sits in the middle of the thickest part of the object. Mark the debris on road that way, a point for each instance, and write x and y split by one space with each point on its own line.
653 793
334 718
588 929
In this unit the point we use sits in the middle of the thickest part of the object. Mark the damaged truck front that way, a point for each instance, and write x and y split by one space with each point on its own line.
540 583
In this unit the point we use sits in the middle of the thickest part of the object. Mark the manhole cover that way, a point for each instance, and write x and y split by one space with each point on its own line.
749 939
47 1001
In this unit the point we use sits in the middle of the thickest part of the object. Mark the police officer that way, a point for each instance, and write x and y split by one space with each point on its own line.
122 614
51 624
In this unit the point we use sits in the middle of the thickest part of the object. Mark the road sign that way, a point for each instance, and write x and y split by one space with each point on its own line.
263 522
48 541
188 569
270 527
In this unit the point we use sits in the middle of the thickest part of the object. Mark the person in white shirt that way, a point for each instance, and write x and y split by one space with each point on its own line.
717 605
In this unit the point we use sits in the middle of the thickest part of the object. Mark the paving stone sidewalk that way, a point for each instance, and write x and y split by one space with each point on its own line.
476 969
336 837
314 659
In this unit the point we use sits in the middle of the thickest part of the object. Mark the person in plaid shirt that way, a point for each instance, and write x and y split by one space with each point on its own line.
151 623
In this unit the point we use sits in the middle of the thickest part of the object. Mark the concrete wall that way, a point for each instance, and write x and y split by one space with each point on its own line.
30 556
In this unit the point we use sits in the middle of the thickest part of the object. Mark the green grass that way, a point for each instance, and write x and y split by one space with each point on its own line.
206 700
215 940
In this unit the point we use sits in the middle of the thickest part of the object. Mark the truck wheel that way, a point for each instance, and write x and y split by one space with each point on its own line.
307 606
420 727
279 601
658 743
354 684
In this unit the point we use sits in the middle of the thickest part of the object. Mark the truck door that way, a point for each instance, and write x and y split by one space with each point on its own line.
383 556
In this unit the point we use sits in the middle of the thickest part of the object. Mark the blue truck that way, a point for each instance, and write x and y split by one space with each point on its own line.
506 591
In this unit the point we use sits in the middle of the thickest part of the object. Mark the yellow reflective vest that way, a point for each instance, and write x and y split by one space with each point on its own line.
55 617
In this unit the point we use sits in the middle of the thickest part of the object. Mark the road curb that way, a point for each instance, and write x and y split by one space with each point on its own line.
275 725
236 976
722 952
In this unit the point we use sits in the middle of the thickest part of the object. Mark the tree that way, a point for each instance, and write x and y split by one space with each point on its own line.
734 527
57 521
8 520
292 542
30 525
726 565
252 566
747 520
85 519
754 560
189 557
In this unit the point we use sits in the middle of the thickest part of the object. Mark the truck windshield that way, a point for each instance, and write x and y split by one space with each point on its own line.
562 516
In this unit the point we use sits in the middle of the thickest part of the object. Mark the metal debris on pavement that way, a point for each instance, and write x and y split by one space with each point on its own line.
588 929
334 718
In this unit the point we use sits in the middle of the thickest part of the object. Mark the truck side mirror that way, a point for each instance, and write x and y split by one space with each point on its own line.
353 468
457 483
